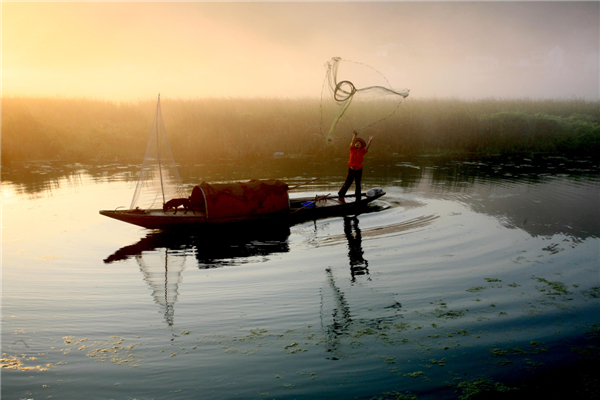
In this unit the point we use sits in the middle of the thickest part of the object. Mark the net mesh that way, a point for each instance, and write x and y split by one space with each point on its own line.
360 84
159 179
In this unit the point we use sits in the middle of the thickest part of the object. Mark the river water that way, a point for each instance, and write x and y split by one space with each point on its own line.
467 271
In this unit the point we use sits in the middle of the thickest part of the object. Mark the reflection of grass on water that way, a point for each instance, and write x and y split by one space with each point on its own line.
212 129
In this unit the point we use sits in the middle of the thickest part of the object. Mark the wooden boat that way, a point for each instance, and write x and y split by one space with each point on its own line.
257 202
299 210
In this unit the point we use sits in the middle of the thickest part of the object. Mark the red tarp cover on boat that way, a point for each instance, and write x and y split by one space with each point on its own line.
237 199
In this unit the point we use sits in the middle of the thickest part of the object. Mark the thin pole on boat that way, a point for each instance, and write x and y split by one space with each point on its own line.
317 198
302 184
159 115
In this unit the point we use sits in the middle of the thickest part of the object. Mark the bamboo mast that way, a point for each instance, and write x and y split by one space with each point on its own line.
159 116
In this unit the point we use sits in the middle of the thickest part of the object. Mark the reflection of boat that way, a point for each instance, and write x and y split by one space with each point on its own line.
220 248
162 257
210 205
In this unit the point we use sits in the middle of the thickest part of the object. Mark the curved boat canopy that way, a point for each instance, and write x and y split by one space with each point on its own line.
255 197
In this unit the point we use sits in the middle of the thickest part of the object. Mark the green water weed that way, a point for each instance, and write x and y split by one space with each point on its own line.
552 288
475 289
396 396
481 388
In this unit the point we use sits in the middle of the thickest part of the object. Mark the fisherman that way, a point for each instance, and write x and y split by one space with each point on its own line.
358 149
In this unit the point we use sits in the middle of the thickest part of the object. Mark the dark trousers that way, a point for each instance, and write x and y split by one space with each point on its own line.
353 175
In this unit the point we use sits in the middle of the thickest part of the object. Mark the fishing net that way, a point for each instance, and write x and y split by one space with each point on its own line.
361 98
159 179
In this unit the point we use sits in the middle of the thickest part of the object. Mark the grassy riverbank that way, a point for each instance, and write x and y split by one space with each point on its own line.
208 129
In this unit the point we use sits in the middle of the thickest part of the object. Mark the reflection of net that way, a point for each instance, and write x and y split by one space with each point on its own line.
163 278
364 84
159 179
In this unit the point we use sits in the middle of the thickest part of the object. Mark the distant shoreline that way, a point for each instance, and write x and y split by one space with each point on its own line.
82 130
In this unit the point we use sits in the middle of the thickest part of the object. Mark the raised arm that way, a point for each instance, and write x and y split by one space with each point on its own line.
353 138
368 144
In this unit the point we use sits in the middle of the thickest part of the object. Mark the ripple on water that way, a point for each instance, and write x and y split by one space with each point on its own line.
454 276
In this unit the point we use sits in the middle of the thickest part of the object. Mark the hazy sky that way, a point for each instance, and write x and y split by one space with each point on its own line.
129 51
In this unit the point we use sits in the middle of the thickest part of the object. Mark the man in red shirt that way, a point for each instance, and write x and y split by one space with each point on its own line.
358 149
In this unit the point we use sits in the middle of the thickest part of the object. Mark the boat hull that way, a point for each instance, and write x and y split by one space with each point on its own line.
299 212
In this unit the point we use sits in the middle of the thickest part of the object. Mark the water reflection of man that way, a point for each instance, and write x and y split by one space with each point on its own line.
358 265
341 318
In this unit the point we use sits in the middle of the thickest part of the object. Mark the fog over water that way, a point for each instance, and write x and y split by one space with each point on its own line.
130 51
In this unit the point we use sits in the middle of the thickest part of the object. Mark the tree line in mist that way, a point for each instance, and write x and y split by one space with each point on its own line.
209 130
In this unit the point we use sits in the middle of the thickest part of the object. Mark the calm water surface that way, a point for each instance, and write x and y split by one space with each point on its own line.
464 270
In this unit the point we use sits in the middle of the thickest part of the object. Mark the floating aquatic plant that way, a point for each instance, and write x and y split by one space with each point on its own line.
475 289
19 363
499 352
479 388
558 288
396 396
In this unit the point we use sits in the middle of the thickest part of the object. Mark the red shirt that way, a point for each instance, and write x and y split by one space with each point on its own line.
356 157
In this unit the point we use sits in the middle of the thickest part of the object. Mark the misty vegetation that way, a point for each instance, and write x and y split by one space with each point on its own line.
202 130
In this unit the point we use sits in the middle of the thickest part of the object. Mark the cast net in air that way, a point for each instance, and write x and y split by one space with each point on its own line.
159 179
355 96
